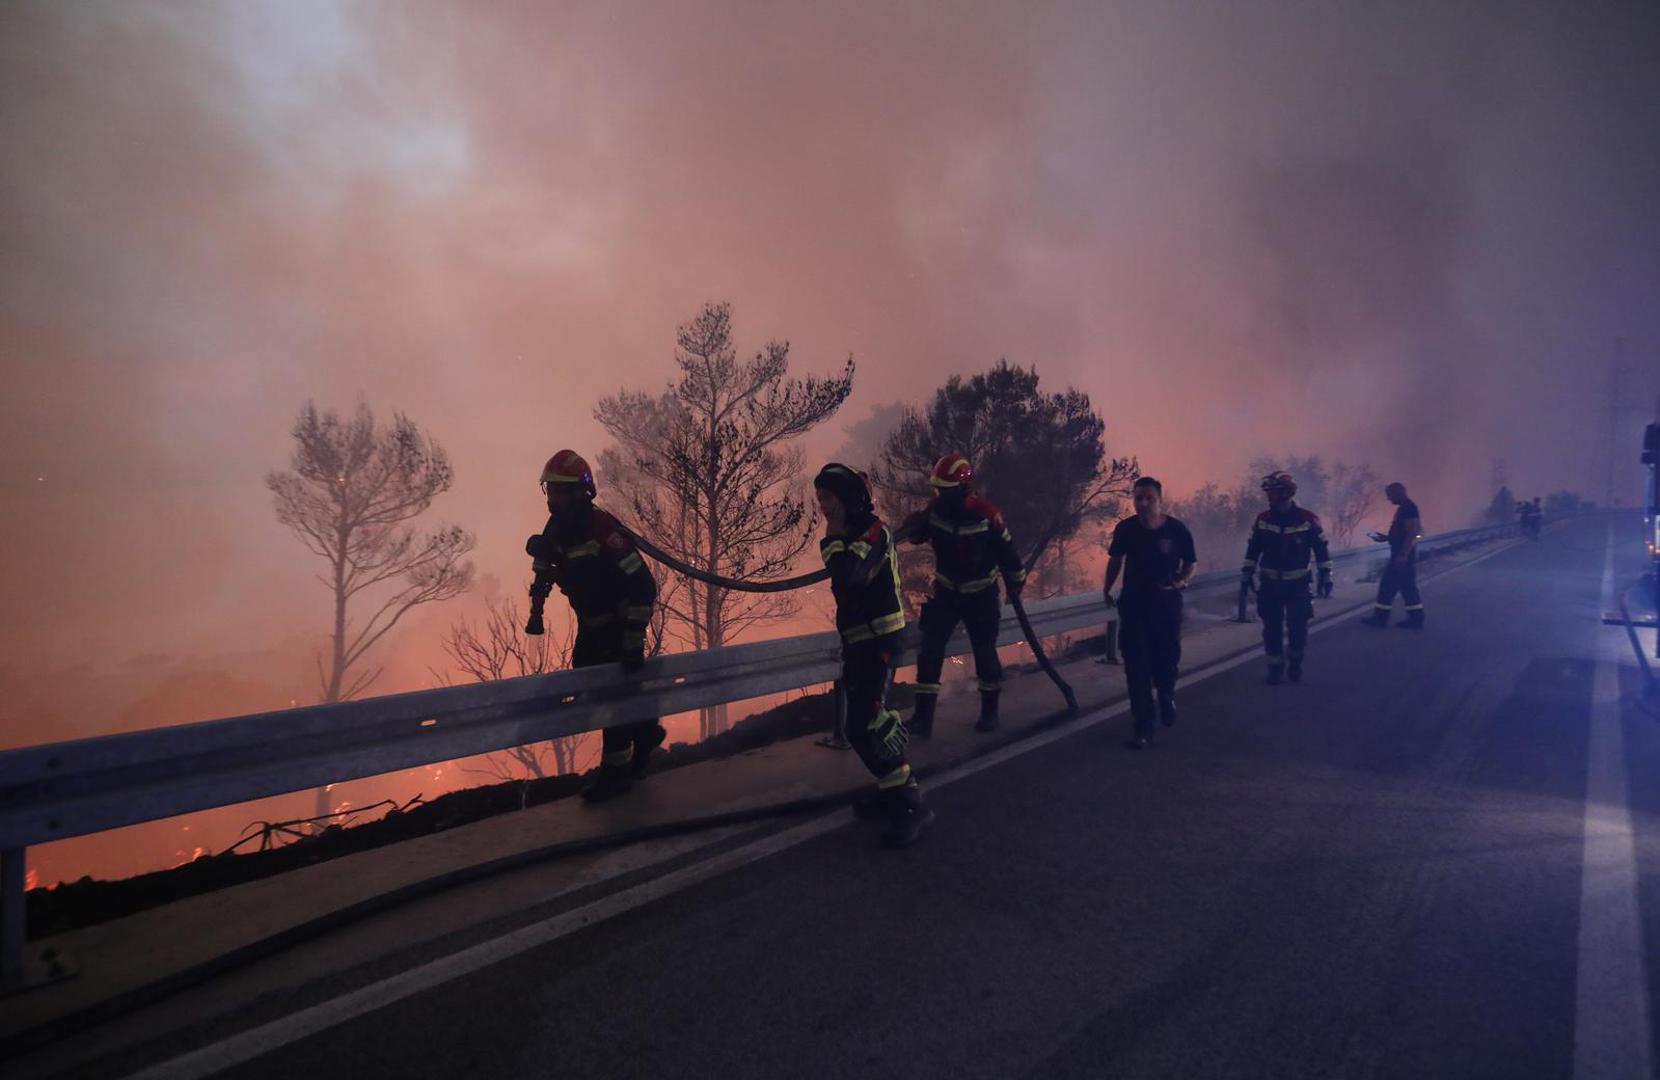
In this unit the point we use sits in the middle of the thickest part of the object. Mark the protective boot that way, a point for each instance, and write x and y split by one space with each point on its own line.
988 711
870 804
1167 709
1295 671
613 780
907 815
643 746
922 717
1276 670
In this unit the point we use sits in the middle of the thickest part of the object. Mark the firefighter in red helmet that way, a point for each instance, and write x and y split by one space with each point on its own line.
1284 538
595 563
972 551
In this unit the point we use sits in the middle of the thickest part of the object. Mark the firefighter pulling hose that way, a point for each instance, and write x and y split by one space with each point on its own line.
596 562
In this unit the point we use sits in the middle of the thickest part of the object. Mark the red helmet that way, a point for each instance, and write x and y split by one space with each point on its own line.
1279 482
568 467
952 470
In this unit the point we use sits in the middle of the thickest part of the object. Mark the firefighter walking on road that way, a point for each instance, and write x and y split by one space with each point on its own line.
972 550
1283 539
1401 575
593 560
858 551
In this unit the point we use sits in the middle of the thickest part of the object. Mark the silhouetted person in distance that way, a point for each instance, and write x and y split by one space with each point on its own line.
1154 552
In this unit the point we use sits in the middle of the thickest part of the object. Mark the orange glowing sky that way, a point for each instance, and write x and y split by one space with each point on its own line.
1404 232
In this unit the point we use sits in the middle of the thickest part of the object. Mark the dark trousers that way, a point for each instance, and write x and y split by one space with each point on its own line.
1285 608
877 733
980 614
603 645
1403 580
1150 633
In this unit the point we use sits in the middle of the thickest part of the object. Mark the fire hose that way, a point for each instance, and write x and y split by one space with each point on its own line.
803 580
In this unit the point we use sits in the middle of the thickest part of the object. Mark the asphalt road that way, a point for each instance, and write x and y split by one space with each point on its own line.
1376 873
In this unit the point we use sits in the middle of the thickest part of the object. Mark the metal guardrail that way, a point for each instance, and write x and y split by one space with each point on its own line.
62 790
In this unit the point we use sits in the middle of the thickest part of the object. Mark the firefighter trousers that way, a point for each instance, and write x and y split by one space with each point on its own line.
877 733
1285 608
1150 635
603 644
1404 580
980 613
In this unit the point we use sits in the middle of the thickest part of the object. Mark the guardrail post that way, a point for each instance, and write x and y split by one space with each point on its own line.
12 902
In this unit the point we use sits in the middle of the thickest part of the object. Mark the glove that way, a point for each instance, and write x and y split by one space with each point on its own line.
535 546
889 732
1325 583
533 625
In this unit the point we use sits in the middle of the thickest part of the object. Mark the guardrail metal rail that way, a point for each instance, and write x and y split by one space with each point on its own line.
61 790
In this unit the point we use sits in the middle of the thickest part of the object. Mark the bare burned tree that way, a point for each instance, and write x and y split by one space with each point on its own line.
497 648
1351 490
706 470
353 489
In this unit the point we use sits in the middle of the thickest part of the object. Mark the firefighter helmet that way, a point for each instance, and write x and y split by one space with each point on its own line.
568 467
847 484
952 470
1279 482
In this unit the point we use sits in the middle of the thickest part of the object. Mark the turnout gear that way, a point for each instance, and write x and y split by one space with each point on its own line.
568 467
973 550
1283 541
864 579
595 564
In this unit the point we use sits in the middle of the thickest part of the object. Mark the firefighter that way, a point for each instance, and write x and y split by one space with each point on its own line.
1401 575
858 551
1283 538
594 562
972 550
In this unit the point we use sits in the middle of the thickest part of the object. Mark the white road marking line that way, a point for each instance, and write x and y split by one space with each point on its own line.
1612 1035
247 1045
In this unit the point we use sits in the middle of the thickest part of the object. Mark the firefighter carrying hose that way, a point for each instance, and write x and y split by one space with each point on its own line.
1282 540
972 549
858 551
594 562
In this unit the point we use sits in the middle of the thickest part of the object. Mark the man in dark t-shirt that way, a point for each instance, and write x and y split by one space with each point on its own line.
1401 575
1154 553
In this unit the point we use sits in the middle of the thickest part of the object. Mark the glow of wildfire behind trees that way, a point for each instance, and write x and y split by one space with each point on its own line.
353 489
706 470
1040 457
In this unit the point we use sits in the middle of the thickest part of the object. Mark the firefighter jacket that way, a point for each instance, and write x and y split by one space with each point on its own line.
864 578
1282 541
972 546
594 562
